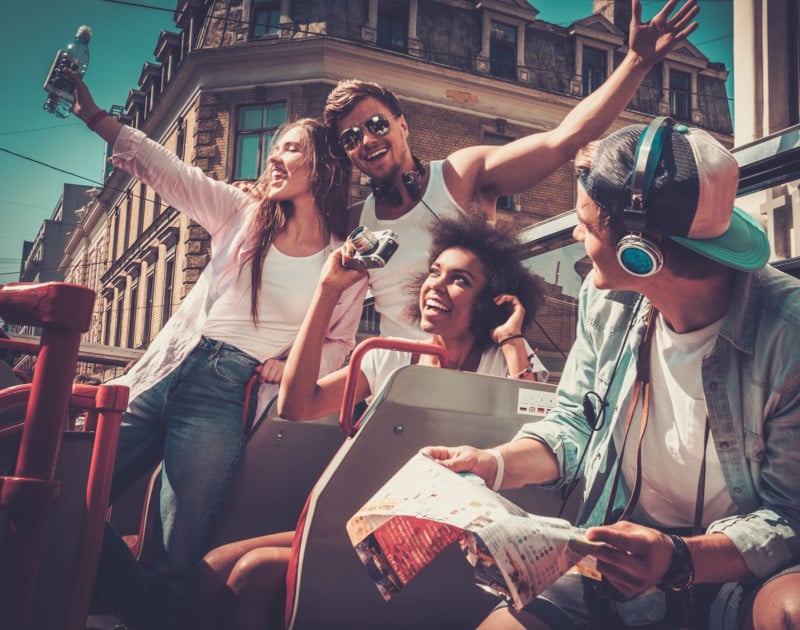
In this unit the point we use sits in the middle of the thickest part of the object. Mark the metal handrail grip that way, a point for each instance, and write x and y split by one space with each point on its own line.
403 345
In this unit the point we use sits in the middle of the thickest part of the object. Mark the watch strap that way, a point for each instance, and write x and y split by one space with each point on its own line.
680 574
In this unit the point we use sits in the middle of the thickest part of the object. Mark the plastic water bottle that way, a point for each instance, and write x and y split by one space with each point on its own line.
59 87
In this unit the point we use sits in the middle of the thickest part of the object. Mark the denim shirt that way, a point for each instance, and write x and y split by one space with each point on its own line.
751 381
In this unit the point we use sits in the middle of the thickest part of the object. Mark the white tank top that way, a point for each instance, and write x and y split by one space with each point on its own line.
390 284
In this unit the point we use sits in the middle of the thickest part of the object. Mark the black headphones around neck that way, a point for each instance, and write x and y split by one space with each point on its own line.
639 255
412 182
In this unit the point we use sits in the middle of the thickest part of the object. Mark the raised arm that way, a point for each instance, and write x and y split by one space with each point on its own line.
341 335
187 188
508 336
484 173
99 121
301 395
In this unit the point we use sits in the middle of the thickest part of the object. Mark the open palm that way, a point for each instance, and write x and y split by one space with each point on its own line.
654 39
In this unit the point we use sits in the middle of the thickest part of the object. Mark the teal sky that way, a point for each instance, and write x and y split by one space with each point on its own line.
125 35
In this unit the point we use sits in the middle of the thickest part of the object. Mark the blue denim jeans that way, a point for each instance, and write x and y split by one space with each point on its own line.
192 420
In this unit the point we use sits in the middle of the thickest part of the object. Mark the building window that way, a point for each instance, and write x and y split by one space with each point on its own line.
392 18
148 306
133 309
156 205
594 69
266 18
180 141
126 237
116 220
680 94
256 125
142 206
118 329
169 281
503 50
506 202
107 327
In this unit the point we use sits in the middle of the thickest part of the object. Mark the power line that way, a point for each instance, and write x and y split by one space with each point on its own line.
708 41
50 166
14 133
143 6
128 191
139 5
20 203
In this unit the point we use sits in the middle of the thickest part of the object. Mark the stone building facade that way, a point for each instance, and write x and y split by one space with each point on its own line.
767 88
466 72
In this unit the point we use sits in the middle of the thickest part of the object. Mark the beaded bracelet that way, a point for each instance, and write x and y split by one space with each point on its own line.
500 343
523 372
99 115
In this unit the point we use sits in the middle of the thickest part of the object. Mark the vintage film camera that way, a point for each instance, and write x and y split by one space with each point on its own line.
373 249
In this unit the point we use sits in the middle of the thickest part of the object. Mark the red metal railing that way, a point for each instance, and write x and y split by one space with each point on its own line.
348 400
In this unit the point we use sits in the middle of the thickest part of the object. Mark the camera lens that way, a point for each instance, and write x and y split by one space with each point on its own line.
363 240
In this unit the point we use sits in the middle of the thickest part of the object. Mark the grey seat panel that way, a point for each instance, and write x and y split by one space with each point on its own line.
419 406
282 462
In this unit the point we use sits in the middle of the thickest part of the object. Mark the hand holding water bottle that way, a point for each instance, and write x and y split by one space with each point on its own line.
59 86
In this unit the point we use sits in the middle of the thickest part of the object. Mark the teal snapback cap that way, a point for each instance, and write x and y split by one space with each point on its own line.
691 197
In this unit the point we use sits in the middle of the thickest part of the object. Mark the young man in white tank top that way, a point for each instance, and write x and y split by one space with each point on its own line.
407 195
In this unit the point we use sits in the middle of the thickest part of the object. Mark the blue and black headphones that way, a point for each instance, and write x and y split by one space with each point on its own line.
637 254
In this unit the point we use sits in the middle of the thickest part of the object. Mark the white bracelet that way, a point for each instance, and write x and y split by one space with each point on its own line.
501 468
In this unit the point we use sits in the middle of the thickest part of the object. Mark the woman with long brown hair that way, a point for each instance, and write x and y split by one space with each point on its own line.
242 316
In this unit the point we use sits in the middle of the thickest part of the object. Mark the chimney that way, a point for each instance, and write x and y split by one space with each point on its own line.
618 12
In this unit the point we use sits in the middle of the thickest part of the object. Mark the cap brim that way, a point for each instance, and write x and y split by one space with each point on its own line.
743 246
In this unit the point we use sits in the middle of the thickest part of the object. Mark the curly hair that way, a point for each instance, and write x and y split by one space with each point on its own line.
498 248
330 186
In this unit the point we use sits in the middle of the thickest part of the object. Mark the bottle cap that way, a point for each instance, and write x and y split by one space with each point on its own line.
84 32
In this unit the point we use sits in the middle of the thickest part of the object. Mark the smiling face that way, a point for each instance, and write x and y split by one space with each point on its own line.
379 157
448 295
289 173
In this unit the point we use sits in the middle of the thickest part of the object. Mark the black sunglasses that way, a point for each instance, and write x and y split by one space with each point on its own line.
377 125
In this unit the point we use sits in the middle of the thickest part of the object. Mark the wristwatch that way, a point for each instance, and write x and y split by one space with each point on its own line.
680 574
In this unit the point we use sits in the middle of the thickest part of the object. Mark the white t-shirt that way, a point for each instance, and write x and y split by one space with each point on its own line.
379 364
287 286
672 449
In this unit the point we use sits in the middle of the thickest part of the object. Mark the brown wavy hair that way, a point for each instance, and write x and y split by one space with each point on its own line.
330 187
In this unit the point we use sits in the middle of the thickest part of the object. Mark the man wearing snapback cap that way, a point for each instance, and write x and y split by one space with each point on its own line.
683 331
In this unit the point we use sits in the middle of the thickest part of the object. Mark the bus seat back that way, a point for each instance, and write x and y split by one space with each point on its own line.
282 462
419 406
